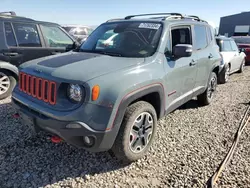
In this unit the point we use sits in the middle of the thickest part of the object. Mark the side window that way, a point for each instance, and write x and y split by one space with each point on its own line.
9 35
210 36
234 46
200 37
181 36
226 47
27 35
178 36
55 37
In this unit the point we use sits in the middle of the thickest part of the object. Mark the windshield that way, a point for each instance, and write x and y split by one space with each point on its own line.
242 40
127 39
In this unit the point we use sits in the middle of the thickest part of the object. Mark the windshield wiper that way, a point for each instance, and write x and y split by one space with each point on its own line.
110 53
103 52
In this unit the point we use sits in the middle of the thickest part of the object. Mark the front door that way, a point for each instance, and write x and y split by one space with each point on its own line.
56 40
180 73
24 43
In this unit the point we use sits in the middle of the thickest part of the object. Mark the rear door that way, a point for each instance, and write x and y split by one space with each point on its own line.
56 39
24 42
202 49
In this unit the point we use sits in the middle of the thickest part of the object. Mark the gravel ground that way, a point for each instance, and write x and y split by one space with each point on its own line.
189 146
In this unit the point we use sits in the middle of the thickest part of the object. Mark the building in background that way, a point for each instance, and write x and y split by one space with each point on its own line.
235 25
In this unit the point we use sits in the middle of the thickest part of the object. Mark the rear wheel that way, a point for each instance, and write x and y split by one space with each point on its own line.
224 76
7 83
206 97
136 132
242 66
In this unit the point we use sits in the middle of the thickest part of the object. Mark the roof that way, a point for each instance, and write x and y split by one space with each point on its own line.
22 19
160 17
221 37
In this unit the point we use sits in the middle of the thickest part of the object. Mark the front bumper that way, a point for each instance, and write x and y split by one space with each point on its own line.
100 140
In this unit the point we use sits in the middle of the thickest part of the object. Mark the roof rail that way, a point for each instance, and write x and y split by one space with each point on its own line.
153 14
12 13
114 19
195 18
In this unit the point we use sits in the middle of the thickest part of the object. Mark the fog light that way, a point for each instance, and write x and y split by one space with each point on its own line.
88 141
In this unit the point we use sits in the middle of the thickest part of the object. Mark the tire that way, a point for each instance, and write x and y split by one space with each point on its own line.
128 146
7 84
242 67
206 97
224 76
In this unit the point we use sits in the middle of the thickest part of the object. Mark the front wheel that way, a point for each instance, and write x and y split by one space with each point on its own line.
136 132
7 84
206 97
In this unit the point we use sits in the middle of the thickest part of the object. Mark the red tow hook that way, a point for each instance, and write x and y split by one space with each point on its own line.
56 139
16 115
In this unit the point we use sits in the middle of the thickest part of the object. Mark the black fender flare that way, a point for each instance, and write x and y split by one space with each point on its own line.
9 67
134 95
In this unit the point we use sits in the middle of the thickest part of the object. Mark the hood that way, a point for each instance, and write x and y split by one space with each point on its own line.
78 65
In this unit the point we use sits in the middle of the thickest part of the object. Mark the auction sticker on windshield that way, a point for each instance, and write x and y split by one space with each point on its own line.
150 25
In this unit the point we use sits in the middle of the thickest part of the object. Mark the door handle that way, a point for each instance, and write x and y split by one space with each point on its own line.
210 56
192 63
11 54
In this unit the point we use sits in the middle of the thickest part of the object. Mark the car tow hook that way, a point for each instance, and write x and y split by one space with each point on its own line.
56 139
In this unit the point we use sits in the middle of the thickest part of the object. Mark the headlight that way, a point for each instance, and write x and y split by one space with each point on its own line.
75 92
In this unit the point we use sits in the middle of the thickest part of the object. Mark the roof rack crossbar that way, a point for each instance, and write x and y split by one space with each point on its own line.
195 18
114 19
12 13
172 14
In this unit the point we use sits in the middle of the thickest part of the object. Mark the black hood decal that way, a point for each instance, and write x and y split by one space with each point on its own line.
67 59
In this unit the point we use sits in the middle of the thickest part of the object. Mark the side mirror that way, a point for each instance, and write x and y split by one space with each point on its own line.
73 46
182 50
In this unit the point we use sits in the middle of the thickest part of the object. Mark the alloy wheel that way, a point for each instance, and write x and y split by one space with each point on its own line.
141 131
227 73
212 87
4 83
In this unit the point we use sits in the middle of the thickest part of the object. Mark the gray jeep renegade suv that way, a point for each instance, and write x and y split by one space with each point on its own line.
109 95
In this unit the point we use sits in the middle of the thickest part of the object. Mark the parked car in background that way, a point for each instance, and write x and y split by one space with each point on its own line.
243 42
111 98
79 32
233 58
23 39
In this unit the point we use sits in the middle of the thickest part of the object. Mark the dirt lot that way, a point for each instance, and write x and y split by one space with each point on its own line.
189 146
